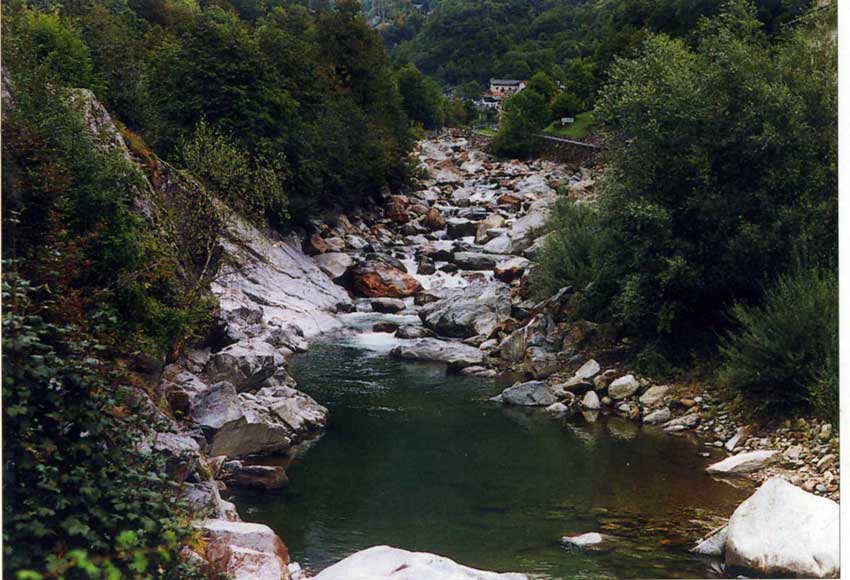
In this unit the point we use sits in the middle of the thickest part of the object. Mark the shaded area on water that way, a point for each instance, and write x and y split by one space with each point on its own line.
419 459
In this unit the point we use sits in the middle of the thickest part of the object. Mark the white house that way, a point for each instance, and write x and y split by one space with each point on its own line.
504 88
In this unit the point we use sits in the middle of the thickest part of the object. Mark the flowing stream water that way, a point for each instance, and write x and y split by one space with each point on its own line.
420 459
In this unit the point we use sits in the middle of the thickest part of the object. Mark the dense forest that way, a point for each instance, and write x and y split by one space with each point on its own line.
463 43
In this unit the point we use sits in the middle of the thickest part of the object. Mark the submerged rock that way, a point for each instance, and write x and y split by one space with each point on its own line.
583 540
385 562
782 530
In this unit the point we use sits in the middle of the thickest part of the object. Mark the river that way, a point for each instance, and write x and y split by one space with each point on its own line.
420 459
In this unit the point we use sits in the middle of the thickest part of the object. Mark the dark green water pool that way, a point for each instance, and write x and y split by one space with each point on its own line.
419 459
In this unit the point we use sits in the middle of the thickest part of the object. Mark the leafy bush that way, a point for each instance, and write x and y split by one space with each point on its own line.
524 116
252 187
566 258
784 356
79 497
721 168
421 97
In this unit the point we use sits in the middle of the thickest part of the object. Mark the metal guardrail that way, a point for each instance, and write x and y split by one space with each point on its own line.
569 141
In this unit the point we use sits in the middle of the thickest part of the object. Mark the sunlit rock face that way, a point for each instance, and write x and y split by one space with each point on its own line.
381 562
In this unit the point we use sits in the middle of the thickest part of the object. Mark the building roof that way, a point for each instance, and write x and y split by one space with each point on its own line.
504 82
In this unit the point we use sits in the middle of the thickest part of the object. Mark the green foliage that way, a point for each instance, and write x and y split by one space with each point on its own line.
79 498
784 356
253 187
49 41
421 97
543 84
565 105
279 81
566 258
524 115
721 168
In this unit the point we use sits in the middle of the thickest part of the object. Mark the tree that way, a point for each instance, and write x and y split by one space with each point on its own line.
565 105
721 169
543 84
421 97
525 114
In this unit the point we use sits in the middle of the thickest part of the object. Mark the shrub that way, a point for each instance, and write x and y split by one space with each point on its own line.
721 168
784 356
251 186
566 258
79 496
525 114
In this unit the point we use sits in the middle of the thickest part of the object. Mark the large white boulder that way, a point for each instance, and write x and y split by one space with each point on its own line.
782 530
385 562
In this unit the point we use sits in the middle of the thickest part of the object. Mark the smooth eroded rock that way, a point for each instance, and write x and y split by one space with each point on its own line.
782 530
623 387
387 563
456 354
245 551
743 462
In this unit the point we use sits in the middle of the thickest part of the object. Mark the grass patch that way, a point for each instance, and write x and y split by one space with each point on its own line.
487 131
580 129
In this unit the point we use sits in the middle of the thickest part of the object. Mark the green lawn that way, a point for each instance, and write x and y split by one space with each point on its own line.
578 130
487 131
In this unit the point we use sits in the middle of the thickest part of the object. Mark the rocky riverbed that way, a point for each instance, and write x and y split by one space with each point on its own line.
449 261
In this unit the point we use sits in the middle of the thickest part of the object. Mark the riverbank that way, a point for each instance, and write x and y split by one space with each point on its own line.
445 270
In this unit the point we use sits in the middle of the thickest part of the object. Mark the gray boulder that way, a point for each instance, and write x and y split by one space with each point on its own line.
386 563
657 417
477 309
623 387
460 227
530 394
387 305
245 365
257 432
456 354
474 260
216 406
